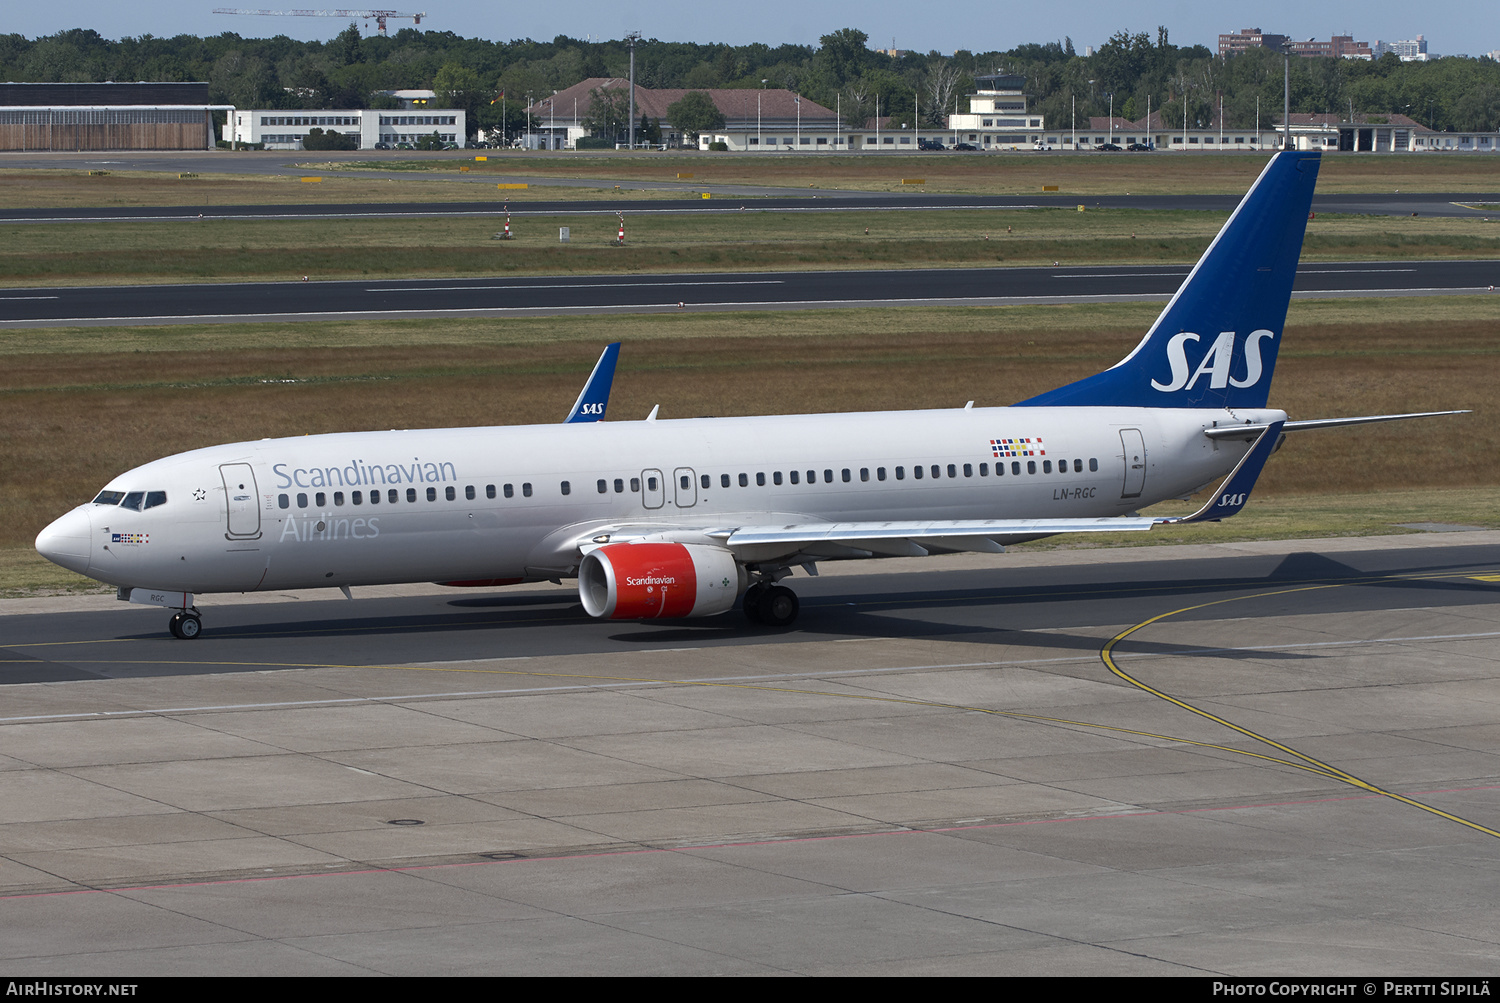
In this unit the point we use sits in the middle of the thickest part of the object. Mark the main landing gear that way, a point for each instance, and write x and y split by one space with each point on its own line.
186 624
771 605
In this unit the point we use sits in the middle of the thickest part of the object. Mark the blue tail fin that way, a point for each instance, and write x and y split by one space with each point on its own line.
1215 344
594 397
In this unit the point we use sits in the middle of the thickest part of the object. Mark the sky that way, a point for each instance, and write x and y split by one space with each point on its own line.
1458 26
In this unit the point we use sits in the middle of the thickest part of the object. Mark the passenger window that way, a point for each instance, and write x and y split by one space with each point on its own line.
938 471
827 476
1031 466
374 497
1093 464
432 494
450 494
744 480
684 480
880 473
918 472
321 500
468 493
1046 466
760 479
776 478
358 497
526 489
338 497
489 490
968 470
651 484
900 473
282 501
1015 466
864 473
952 471
620 484
984 470
510 490
567 487
301 499
1077 466
411 494
812 477
723 480
635 485
155 498
392 497
705 480
795 476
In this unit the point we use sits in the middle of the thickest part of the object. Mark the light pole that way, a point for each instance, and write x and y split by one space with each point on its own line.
759 141
631 40
1111 96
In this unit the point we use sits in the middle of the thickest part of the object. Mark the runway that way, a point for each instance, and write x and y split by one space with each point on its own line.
554 295
965 765
1464 205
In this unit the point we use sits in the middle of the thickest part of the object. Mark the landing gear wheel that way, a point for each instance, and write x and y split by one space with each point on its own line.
753 597
778 606
185 625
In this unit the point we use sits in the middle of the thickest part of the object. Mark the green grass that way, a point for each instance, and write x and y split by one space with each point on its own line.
286 250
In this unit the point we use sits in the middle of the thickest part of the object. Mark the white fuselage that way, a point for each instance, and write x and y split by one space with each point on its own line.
514 503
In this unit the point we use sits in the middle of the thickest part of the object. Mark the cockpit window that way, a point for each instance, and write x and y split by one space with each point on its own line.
109 497
155 498
133 500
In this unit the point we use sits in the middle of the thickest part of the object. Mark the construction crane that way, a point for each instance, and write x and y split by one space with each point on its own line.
378 15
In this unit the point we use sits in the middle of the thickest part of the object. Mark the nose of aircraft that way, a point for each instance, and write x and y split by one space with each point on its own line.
66 541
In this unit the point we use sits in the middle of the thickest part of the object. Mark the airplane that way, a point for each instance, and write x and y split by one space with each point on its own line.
691 517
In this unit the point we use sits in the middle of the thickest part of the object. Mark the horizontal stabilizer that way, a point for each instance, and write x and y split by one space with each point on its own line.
1248 432
1235 491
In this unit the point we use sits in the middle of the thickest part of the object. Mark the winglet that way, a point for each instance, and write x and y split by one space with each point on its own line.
594 399
1235 491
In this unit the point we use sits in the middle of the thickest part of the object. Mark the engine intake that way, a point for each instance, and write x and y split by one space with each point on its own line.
646 581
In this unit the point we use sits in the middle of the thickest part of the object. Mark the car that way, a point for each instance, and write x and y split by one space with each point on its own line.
1110 147
967 146
930 144
1139 147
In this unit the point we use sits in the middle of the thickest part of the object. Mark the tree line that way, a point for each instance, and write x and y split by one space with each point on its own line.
1132 70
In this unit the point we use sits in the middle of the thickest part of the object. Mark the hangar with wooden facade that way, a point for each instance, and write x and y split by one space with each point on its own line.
106 116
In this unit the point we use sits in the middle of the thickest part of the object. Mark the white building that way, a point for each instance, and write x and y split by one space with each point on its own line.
284 130
1413 50
997 116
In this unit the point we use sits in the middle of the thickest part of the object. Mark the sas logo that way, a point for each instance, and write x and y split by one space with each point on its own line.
1232 501
130 538
1017 447
1215 362
592 409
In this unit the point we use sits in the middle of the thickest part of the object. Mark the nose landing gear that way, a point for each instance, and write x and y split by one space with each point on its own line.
186 624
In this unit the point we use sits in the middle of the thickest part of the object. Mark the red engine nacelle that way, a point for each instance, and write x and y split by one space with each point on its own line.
643 581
